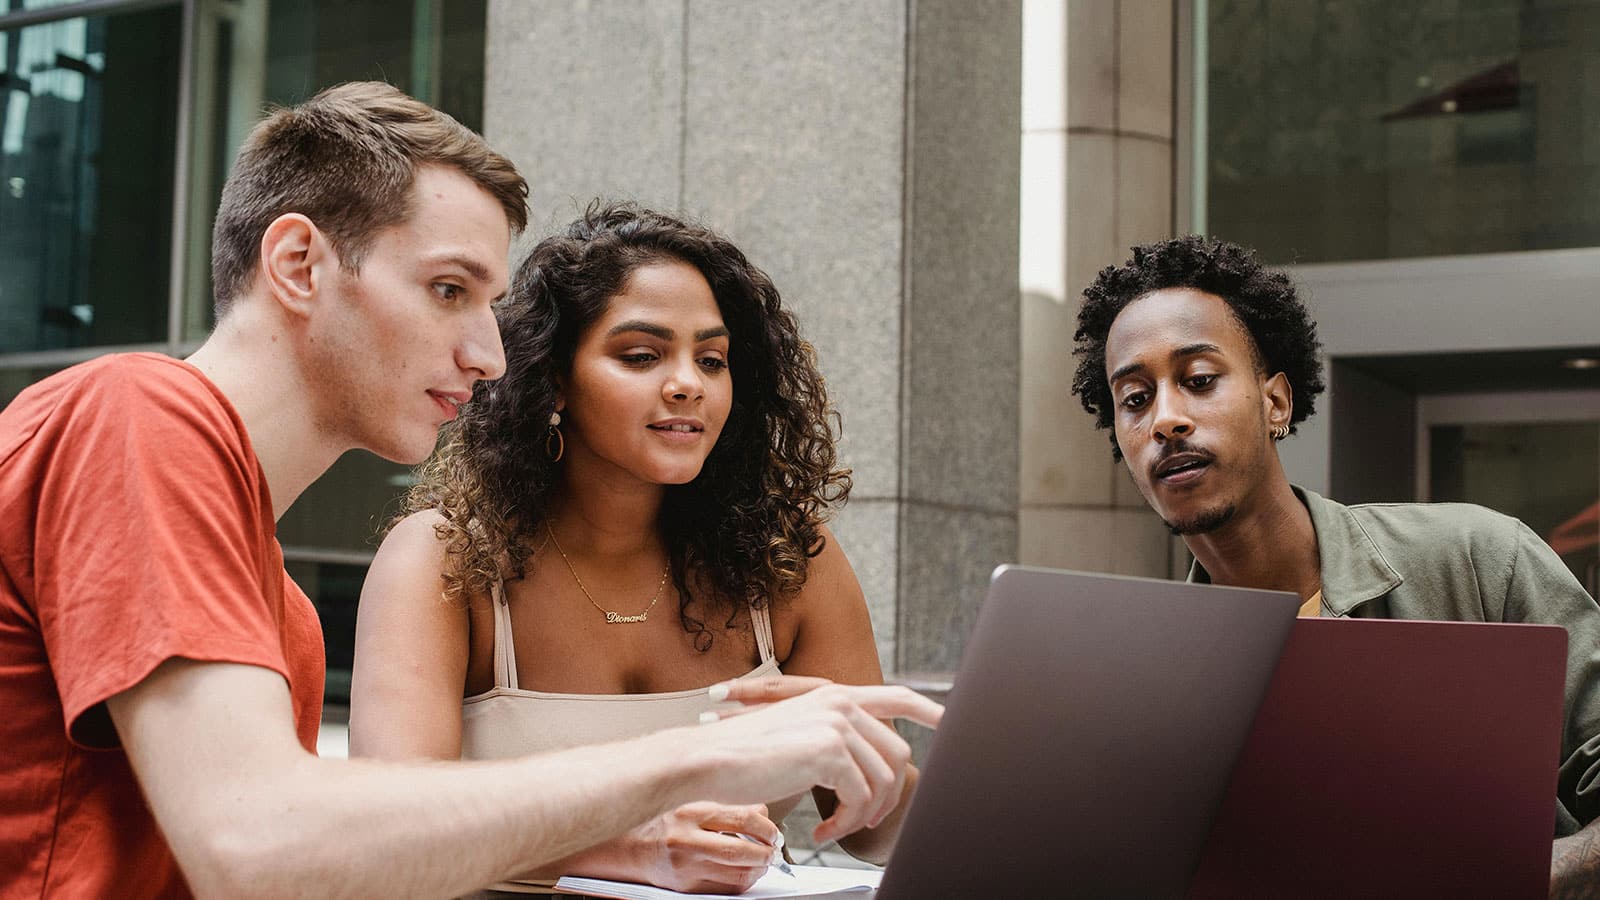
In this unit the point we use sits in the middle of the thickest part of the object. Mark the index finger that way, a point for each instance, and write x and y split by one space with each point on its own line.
766 690
883 701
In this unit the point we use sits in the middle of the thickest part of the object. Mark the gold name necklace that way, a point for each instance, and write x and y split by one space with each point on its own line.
612 617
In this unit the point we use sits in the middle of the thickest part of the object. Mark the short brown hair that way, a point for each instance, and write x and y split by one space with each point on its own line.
345 159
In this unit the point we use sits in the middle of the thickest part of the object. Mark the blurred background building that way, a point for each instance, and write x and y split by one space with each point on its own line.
930 183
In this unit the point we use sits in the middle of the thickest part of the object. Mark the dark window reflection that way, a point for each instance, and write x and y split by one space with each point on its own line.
1546 474
87 138
1370 129
14 381
334 588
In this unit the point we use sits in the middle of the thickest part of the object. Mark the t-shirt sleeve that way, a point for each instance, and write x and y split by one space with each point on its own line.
149 543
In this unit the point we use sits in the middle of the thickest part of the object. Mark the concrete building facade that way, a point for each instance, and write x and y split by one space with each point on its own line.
930 183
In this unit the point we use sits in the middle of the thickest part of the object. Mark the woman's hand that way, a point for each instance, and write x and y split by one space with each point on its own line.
694 850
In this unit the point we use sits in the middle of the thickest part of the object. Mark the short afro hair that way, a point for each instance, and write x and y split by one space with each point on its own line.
1262 300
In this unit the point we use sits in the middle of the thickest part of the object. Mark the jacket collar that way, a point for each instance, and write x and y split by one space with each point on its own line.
1354 570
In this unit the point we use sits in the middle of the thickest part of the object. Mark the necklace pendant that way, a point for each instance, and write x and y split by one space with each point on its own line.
613 618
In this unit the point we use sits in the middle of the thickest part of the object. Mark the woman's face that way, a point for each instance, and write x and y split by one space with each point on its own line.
650 387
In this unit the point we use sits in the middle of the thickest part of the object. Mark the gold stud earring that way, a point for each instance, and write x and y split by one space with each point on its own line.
1279 432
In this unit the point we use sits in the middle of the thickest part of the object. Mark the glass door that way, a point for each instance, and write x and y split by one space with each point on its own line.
1533 455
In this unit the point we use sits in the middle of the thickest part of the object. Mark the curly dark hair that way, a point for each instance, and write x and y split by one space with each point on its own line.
1283 335
745 529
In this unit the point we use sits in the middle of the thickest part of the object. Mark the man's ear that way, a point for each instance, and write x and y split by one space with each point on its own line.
293 250
1277 400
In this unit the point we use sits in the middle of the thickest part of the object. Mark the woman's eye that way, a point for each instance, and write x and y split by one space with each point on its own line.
714 363
637 359
448 292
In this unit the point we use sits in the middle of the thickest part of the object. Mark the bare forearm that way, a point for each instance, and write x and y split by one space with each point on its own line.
249 813
614 858
360 828
1575 865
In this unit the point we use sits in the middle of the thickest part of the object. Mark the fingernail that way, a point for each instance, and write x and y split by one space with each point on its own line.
717 693
707 717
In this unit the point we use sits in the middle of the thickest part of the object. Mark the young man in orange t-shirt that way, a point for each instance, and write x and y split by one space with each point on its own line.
162 677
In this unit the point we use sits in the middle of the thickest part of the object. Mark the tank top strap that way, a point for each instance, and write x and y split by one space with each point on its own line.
761 621
505 654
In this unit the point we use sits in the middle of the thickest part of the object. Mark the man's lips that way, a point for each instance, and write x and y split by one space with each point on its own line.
1181 467
450 401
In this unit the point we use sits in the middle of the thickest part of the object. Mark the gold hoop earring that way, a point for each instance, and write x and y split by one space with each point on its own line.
1279 432
554 434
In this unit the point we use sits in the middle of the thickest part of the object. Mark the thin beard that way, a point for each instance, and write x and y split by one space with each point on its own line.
1205 522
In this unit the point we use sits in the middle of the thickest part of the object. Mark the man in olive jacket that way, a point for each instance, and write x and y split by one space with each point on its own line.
1199 360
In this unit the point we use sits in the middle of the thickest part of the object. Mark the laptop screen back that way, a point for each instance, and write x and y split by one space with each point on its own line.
1089 737
1397 758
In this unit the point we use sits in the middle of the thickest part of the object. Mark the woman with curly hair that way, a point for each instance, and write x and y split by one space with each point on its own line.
633 514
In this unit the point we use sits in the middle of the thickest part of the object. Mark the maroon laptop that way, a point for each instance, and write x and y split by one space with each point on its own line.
1396 759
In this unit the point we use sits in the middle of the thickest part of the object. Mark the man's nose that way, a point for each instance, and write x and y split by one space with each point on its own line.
481 351
1170 418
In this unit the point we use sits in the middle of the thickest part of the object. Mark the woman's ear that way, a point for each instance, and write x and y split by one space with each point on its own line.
292 249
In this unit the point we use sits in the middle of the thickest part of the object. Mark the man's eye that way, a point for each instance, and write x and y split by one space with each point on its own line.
1133 400
448 292
1201 382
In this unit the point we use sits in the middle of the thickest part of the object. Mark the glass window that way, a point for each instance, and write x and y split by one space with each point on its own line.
264 52
1368 129
431 49
91 116
334 588
1545 473
14 381
88 112
346 509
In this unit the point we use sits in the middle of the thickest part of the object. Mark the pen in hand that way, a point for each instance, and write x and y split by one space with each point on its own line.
777 850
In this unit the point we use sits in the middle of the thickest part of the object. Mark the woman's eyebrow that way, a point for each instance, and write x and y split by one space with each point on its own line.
650 328
663 332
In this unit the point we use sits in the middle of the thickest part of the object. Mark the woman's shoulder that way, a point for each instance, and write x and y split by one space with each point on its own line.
830 568
417 526
413 545
825 629
830 586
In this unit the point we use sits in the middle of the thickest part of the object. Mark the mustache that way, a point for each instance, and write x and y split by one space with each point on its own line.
1177 446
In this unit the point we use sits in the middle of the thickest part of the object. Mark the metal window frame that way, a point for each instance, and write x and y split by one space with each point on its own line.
174 345
1496 408
189 123
1190 113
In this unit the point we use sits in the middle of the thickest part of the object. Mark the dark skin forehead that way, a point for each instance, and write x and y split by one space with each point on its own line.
1168 325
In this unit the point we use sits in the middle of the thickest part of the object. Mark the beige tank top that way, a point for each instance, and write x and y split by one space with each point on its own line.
506 721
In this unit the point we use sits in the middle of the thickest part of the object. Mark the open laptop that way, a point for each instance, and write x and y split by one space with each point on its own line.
1089 737
1404 759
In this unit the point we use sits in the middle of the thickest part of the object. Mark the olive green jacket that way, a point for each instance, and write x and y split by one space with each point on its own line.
1459 562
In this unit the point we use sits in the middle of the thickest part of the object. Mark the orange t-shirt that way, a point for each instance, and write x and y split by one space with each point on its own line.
135 527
